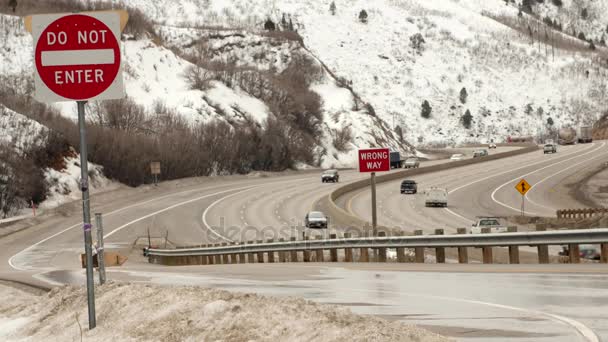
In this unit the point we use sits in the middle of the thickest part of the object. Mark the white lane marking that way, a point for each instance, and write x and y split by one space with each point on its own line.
535 171
553 175
204 216
12 264
581 329
496 175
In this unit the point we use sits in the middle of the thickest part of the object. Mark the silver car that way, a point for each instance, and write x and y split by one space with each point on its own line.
316 219
412 162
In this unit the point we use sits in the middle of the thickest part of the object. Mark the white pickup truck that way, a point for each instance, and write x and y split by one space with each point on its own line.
494 223
436 197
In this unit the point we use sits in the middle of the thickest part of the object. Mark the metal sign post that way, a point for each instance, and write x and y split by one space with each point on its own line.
374 215
86 213
371 161
100 253
155 170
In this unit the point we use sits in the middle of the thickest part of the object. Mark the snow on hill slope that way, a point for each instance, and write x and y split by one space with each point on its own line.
513 89
20 133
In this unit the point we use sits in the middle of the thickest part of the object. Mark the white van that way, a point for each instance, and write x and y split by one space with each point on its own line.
436 197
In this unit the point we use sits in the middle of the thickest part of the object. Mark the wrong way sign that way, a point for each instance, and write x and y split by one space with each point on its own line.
77 56
374 160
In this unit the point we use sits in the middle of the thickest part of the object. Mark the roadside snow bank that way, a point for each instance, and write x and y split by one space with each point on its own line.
134 312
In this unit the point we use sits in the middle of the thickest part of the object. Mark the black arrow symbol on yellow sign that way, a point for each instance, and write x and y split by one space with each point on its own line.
523 187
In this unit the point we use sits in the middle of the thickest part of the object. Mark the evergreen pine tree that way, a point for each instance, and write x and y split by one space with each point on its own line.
332 8
426 109
363 16
550 121
463 95
467 119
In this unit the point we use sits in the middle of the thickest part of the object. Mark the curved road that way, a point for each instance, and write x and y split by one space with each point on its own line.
224 209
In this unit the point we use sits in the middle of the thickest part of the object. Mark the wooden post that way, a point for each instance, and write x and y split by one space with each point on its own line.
233 256
439 251
250 258
282 256
348 252
225 258
218 257
319 252
543 250
513 250
260 254
419 251
382 250
271 253
293 253
306 251
333 252
463 252
487 251
401 252
574 253
604 253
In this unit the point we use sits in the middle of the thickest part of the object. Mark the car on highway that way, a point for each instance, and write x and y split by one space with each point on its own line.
492 146
409 186
316 219
330 176
457 156
493 223
411 162
589 252
550 148
436 197
480 153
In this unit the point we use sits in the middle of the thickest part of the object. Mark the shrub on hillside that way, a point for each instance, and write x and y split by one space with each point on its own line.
426 110
417 42
363 16
342 138
467 119
463 95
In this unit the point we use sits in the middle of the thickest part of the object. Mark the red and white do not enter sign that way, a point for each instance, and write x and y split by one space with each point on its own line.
77 57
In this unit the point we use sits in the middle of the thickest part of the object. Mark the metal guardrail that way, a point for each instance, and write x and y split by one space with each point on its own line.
542 238
581 213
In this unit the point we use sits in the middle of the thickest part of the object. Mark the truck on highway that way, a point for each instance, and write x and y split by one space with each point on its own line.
436 197
585 134
566 136
396 161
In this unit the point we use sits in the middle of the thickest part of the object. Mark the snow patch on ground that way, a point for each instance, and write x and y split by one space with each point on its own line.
133 312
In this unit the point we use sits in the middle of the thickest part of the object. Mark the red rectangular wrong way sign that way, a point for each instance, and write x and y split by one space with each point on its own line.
374 160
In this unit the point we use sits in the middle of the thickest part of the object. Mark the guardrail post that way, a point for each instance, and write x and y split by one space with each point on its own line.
250 256
233 256
381 250
604 253
225 256
574 253
348 252
260 254
294 253
419 251
319 252
270 253
513 250
463 252
333 252
364 252
218 257
439 251
487 251
543 250
306 252
282 256
241 256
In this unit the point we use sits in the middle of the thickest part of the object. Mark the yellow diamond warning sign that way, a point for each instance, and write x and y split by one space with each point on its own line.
523 187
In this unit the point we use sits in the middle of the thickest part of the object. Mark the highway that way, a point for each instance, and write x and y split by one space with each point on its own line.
272 206
486 189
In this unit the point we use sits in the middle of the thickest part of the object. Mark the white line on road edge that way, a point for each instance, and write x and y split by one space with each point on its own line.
492 176
580 328
12 264
553 175
204 216
535 171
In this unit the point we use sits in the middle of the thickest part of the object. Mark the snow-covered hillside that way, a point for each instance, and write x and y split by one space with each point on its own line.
513 88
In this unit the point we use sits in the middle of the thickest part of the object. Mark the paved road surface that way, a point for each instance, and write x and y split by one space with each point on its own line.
202 211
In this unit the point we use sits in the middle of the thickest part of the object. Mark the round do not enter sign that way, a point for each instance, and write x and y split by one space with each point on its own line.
77 57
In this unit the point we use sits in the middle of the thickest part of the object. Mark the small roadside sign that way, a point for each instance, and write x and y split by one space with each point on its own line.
523 187
155 168
77 56
374 160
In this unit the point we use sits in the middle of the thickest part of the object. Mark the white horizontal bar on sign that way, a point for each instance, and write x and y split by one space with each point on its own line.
77 57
